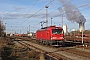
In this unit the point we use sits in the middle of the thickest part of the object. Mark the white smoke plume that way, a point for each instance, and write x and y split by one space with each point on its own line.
72 12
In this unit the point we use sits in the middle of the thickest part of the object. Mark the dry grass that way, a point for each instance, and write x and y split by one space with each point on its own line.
32 54
2 43
42 57
28 53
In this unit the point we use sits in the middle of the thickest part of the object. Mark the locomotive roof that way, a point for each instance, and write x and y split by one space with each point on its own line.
48 27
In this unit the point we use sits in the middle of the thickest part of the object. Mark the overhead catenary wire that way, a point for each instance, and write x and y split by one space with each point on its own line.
44 7
81 7
57 8
61 6
69 11
31 8
54 10
38 11
41 9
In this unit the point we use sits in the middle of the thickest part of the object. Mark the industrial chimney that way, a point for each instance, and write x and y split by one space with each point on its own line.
81 26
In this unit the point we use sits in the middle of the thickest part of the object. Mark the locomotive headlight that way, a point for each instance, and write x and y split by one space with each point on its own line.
51 38
62 38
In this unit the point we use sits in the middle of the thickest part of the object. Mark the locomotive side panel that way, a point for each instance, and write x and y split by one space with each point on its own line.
43 35
52 33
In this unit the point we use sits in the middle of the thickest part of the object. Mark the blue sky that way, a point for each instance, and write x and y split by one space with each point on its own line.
19 14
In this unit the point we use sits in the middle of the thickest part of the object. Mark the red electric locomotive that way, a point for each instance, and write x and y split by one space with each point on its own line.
50 35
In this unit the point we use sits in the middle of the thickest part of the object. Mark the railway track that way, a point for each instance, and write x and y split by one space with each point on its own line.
78 51
55 56
61 53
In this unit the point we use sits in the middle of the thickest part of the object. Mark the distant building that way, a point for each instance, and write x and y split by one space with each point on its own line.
65 29
73 29
81 27
68 30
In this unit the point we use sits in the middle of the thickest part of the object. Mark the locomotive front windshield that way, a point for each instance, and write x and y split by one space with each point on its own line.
57 31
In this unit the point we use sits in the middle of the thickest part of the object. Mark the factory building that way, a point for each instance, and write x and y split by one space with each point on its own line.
81 27
65 29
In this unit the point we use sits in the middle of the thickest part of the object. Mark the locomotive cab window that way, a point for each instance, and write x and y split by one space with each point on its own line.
57 31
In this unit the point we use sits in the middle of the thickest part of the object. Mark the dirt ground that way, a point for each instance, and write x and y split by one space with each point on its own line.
8 51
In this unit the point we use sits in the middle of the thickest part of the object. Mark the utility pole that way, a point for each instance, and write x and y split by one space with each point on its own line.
46 15
82 33
0 28
2 16
11 29
51 21
6 28
20 30
61 11
29 28
62 20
